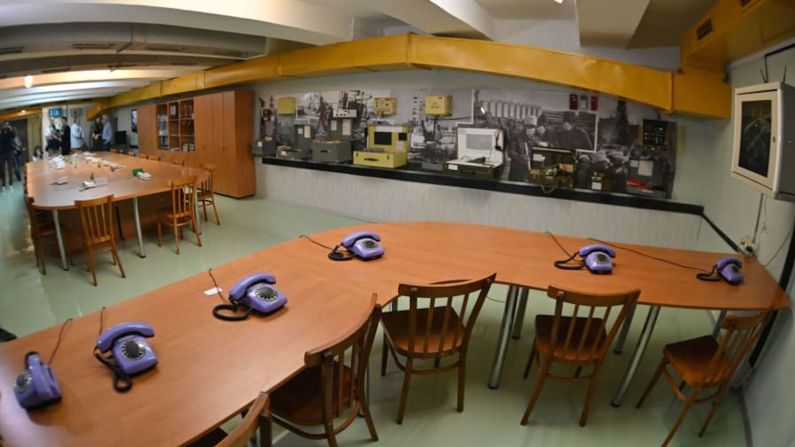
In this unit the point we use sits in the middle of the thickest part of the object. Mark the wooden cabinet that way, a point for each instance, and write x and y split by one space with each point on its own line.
223 128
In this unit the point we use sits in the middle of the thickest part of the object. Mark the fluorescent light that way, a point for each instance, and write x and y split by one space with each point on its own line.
560 2
28 81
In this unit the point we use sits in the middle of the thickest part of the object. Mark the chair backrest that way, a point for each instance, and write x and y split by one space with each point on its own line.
242 434
96 218
182 192
447 305
342 373
588 339
178 163
207 185
738 336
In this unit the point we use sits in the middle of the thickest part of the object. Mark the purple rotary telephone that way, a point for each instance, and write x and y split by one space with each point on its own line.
596 258
131 353
36 386
364 245
255 293
727 269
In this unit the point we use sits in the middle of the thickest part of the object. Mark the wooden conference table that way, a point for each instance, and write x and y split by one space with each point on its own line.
210 369
41 178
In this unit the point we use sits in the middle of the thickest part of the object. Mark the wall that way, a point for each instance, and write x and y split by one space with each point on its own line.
68 112
733 207
123 117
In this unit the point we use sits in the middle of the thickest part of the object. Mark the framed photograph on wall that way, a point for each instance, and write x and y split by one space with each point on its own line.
134 120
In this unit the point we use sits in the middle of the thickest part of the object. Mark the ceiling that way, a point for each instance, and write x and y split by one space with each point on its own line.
80 48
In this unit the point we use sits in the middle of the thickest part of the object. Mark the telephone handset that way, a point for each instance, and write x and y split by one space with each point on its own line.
255 293
36 386
364 245
124 350
727 269
596 258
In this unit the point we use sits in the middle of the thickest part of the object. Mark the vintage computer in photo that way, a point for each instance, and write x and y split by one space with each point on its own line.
763 155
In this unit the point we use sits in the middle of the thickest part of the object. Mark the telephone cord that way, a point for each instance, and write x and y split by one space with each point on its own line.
121 381
564 264
637 252
226 317
303 236
58 343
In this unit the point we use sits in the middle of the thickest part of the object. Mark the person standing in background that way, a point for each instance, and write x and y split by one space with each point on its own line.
17 143
76 131
66 138
6 154
53 137
107 133
96 134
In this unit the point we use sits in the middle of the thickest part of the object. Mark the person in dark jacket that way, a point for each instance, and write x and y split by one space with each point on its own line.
7 149
66 138
96 134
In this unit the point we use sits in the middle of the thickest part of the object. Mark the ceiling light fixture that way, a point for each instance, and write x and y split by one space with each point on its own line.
560 2
28 81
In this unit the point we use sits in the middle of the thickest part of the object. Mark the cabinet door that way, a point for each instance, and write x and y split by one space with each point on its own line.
147 129
204 120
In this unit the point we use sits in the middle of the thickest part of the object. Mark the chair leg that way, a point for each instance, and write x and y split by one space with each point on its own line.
115 254
589 396
196 231
404 392
715 405
530 360
536 393
265 432
215 211
688 403
368 418
330 436
91 265
653 382
159 234
384 354
462 378
176 235
204 208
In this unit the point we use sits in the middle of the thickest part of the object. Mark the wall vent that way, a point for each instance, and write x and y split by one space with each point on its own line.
704 30
93 46
165 48
11 50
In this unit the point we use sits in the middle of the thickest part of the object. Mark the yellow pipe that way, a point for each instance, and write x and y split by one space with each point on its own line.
661 89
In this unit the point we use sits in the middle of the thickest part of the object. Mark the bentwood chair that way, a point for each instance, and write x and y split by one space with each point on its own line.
707 364
332 385
178 163
207 193
574 340
42 230
257 417
436 326
182 212
96 218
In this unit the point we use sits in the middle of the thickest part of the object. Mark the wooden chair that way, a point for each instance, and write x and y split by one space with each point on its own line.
257 417
206 192
96 218
437 325
182 212
332 385
707 364
42 230
178 163
574 340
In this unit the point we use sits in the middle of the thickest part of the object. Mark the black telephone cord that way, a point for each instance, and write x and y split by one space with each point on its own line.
121 381
565 264
230 307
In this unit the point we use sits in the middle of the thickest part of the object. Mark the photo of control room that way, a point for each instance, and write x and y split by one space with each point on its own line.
426 223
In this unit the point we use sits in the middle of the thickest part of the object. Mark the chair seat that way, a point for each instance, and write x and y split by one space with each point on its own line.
205 195
300 399
586 354
210 439
169 215
692 359
396 325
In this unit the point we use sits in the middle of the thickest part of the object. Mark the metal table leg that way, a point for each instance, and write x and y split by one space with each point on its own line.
516 330
716 331
643 341
502 338
59 238
622 336
196 210
138 228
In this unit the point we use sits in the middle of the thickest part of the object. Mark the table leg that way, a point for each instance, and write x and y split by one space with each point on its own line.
643 341
138 228
622 336
521 307
503 337
196 210
716 331
59 239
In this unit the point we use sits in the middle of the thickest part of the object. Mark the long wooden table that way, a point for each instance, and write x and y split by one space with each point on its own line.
210 369
46 195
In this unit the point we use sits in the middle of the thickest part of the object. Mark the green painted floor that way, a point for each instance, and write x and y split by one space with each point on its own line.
30 302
